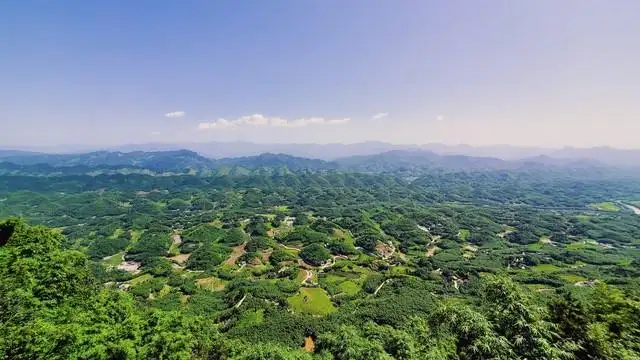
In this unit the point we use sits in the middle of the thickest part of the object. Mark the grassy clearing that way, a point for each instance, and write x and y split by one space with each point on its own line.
135 235
605 206
581 245
546 268
400 270
140 279
314 301
250 318
114 260
211 283
572 278
349 288
116 233
535 246
537 287
333 279
281 208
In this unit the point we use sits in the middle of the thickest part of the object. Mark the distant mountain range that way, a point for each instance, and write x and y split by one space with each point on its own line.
218 150
409 162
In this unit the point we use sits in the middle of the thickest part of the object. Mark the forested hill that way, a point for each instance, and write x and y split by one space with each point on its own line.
163 160
408 163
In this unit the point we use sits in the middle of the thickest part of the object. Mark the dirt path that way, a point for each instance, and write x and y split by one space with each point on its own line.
308 277
177 240
235 255
431 251
380 287
309 345
180 259
329 263
240 302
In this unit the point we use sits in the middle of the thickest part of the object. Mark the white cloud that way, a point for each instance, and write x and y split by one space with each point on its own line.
155 133
440 117
278 122
255 119
379 116
338 121
261 120
175 114
218 124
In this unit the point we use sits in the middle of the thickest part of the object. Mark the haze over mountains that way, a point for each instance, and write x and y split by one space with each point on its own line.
218 150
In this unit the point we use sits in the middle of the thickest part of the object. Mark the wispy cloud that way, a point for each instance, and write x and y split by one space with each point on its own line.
155 133
379 116
175 114
440 117
261 120
218 124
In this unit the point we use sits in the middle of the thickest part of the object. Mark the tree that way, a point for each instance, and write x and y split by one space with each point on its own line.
367 242
315 254
519 320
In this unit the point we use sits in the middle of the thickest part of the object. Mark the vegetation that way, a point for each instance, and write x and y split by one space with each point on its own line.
315 254
252 258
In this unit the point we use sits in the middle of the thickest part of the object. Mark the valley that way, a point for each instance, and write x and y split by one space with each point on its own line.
290 258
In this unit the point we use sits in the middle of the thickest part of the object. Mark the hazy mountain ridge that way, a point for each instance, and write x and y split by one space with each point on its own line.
409 162
330 152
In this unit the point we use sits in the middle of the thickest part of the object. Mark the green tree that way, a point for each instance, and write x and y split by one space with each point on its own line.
315 254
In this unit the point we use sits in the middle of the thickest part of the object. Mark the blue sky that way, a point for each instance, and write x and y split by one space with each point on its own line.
545 72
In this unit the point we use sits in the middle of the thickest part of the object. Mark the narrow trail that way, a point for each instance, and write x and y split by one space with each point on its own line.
237 252
329 263
240 302
380 287
289 248
309 277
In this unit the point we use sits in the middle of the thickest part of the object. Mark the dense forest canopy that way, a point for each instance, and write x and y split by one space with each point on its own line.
176 256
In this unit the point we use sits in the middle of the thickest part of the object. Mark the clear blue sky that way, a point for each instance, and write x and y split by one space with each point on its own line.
543 72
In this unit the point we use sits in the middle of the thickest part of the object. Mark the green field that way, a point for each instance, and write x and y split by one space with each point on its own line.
251 318
211 283
140 279
116 233
605 206
546 268
281 208
349 288
114 260
314 301
572 278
